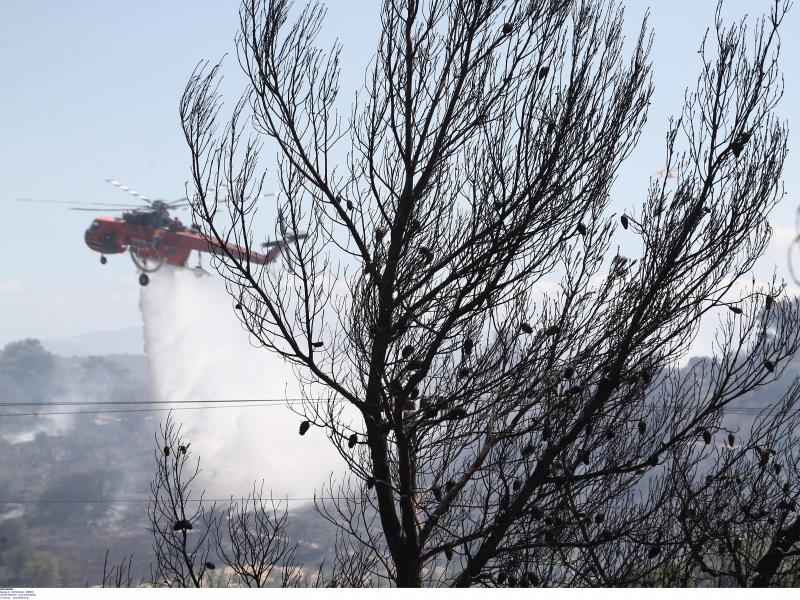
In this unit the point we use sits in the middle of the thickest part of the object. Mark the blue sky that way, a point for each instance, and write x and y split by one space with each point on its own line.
90 90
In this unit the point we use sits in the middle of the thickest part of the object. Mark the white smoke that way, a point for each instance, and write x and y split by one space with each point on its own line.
51 425
198 350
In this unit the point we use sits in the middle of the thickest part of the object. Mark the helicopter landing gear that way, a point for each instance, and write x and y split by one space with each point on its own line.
146 265
103 260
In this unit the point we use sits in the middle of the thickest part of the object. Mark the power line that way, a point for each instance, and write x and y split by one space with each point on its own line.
204 405
134 410
224 403
127 402
745 411
753 412
144 500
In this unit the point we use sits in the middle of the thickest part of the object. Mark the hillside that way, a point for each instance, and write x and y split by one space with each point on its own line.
50 465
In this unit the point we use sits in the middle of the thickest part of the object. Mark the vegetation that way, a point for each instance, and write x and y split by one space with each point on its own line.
503 387
46 463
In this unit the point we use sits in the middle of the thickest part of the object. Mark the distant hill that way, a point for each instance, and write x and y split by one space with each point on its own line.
46 542
70 457
129 340
110 456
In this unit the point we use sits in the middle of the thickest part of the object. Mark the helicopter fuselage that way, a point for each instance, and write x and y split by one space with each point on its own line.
153 237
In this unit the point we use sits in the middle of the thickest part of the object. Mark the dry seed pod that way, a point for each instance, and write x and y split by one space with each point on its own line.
468 345
543 71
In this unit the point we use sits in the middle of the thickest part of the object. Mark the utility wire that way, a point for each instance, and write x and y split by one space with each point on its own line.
143 500
134 410
204 405
247 401
218 404
126 402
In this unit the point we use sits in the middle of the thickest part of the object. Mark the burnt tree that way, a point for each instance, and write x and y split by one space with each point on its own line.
254 544
182 526
503 385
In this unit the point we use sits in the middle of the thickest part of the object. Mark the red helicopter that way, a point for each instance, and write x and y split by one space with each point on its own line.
153 238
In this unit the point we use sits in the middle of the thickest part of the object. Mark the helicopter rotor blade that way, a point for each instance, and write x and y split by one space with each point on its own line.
281 223
128 190
95 210
179 203
265 195
223 200
286 240
225 186
186 200
99 205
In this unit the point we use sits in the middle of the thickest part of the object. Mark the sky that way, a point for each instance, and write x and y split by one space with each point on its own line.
90 89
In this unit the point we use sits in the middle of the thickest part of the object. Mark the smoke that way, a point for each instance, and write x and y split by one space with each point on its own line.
54 425
198 350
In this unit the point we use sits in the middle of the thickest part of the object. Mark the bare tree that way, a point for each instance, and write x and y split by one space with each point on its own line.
117 575
190 540
358 559
181 524
736 523
354 564
503 386
256 543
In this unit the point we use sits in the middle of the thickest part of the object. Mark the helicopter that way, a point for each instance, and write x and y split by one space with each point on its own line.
153 238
